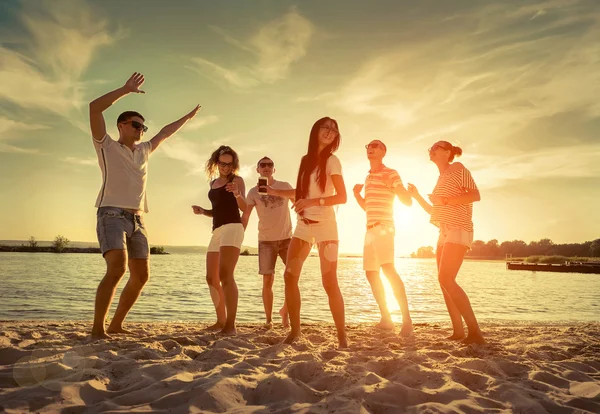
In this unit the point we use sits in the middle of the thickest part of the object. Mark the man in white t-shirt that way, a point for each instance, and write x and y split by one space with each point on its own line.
274 232
121 203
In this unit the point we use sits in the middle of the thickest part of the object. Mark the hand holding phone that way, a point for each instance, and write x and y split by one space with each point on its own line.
262 185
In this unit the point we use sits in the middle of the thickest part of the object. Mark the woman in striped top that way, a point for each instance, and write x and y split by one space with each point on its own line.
451 210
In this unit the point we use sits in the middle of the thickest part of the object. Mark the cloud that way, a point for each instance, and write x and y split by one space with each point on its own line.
275 47
89 161
492 73
12 130
491 171
199 122
64 36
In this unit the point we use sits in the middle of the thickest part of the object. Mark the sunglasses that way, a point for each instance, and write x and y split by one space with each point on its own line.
436 146
373 145
225 164
137 125
266 164
331 129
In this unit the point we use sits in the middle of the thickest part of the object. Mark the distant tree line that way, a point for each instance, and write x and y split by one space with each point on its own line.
518 248
60 244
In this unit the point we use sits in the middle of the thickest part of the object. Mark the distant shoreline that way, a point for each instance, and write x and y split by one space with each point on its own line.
50 249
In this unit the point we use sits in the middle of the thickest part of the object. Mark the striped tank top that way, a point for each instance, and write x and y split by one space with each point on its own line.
455 181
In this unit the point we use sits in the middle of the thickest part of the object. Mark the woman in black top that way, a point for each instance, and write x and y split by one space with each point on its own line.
226 195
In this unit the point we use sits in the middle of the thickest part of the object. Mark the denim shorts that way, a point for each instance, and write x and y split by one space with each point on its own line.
268 252
455 235
118 229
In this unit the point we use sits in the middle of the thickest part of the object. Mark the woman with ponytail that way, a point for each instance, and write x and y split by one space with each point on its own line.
451 210
319 187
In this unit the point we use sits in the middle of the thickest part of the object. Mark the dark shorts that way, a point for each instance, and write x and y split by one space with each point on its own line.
118 229
268 252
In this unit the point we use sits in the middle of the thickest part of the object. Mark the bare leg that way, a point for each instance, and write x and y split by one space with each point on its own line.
228 258
458 331
115 269
285 317
267 297
283 312
216 291
297 254
328 252
139 272
450 262
379 295
400 293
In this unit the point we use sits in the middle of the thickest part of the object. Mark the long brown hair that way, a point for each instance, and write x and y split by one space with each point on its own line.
212 165
314 160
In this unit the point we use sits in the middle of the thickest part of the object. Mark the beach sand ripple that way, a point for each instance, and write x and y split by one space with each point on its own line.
52 367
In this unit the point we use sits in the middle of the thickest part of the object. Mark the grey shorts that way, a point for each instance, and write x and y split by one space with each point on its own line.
268 252
118 229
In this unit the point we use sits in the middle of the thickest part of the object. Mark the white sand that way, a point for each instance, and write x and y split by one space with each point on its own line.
178 368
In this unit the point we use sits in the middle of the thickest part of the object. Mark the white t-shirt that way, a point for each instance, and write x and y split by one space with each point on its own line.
124 174
320 213
274 221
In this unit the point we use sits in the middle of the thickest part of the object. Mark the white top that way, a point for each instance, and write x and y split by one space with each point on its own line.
274 221
320 213
124 174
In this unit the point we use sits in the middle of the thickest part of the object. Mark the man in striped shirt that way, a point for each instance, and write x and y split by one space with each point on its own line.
382 185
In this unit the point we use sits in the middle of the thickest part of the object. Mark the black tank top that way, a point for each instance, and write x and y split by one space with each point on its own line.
224 205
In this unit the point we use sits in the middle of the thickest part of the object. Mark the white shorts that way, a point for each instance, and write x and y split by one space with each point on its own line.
455 235
379 247
321 231
231 234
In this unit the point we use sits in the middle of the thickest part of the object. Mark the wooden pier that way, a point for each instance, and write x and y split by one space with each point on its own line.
569 267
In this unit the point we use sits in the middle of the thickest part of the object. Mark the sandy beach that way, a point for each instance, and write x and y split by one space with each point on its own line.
178 368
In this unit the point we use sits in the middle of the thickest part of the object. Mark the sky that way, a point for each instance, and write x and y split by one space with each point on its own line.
515 84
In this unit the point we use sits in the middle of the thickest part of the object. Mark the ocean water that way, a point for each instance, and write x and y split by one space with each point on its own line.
46 286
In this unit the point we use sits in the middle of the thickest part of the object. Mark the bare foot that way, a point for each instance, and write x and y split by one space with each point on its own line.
268 325
215 327
285 319
119 330
476 338
228 332
97 335
342 342
292 337
385 325
407 329
456 336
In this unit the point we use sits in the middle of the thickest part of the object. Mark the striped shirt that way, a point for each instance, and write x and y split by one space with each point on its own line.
456 181
379 194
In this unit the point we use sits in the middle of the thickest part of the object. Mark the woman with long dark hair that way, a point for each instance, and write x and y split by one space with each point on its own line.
319 187
226 195
451 210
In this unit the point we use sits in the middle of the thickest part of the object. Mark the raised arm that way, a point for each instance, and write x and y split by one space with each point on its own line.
359 198
172 128
238 188
246 215
412 190
340 196
403 195
99 105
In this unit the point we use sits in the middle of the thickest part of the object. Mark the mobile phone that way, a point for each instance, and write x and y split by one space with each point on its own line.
262 185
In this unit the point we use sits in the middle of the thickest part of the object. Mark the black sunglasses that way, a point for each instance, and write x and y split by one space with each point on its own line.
266 164
436 146
225 164
373 145
137 125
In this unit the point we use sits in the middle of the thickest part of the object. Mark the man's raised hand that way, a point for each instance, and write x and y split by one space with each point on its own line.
134 83
193 112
